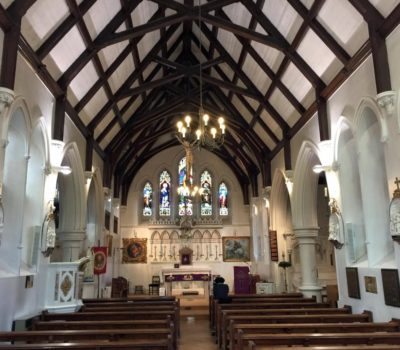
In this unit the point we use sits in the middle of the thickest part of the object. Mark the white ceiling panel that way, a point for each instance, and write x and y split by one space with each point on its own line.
123 71
84 81
68 49
227 70
104 143
174 36
385 7
148 70
143 12
284 17
121 103
345 24
42 19
307 3
256 74
273 125
147 43
230 43
284 108
99 15
271 56
94 106
296 82
6 3
204 41
238 14
253 103
262 134
110 53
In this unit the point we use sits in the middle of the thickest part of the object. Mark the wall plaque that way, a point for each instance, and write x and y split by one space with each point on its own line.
353 285
391 287
273 245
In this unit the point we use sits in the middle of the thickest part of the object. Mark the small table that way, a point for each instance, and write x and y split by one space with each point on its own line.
265 287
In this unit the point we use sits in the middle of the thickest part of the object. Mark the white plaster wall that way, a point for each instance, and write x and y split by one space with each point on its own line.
140 274
1 43
278 162
72 134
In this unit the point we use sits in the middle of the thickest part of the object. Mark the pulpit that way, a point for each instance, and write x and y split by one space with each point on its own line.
241 279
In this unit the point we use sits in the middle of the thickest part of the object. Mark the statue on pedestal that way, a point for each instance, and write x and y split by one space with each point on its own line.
88 273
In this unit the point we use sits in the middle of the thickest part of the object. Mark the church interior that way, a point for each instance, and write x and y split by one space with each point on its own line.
150 146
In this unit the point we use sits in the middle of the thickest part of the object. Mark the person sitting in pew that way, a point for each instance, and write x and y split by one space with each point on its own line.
221 291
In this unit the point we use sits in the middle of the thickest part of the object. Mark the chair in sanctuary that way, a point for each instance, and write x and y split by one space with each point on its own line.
154 286
119 287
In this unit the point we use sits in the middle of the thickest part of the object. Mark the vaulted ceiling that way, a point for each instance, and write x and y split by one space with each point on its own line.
124 71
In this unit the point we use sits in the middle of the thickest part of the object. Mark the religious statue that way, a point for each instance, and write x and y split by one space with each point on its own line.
88 273
335 226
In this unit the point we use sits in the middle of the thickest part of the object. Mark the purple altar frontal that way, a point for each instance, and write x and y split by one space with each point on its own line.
188 277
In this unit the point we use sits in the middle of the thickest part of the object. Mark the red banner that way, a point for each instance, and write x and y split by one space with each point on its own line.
100 260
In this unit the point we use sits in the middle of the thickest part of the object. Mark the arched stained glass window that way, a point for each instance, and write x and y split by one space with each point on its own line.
184 180
223 199
147 199
165 194
206 194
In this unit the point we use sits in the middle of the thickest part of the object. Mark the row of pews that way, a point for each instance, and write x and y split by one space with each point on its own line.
293 322
139 323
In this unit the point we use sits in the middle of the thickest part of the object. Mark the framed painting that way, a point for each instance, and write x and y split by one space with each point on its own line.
370 284
353 285
236 248
391 286
134 250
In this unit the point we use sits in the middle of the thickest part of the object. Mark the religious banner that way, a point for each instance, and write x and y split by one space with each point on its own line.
100 260
134 250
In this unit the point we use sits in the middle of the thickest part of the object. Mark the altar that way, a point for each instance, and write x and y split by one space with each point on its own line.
187 280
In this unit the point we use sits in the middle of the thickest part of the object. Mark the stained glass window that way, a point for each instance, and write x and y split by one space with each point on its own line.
206 195
165 194
147 199
184 180
223 199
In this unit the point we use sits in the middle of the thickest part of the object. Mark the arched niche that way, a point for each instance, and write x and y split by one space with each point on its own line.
95 210
17 135
72 205
346 154
371 132
33 206
281 222
305 185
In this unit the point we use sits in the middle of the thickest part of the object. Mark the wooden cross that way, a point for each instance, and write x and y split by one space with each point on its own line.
397 182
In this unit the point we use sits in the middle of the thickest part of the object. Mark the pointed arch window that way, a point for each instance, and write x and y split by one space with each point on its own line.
165 194
184 180
147 199
206 194
223 199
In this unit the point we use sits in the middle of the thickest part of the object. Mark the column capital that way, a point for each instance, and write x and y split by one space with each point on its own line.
306 232
7 97
71 236
387 101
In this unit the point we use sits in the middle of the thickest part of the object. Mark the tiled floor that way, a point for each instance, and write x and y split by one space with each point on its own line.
195 333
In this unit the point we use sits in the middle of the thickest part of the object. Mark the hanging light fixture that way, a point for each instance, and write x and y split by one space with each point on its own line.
205 132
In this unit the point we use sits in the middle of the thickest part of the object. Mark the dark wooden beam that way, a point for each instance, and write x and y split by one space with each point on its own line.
10 44
89 154
322 112
287 155
59 119
378 43
266 173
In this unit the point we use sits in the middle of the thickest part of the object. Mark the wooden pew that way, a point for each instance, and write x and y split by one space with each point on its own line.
252 346
71 325
222 323
318 339
130 307
307 328
124 303
113 316
270 300
263 305
114 335
136 298
279 319
234 297
158 344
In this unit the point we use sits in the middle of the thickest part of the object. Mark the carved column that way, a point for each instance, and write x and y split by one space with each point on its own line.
306 238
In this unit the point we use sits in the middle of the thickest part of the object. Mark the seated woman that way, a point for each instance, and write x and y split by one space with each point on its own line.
221 291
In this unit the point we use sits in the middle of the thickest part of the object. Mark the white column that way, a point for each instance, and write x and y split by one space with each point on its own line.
306 238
